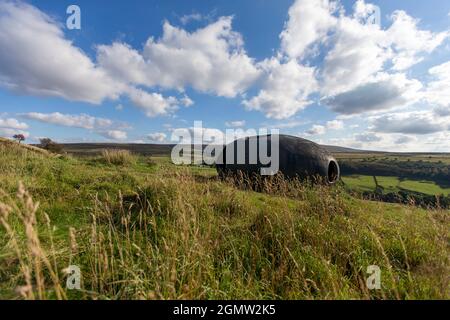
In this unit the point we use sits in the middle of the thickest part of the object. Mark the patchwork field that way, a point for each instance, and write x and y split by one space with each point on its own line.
393 184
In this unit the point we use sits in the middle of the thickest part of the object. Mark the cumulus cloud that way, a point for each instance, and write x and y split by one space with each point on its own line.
322 129
185 19
83 121
362 66
409 42
388 92
335 125
10 127
356 54
368 137
10 132
157 137
316 130
235 124
153 104
35 58
417 123
12 123
211 59
102 126
442 111
123 62
286 89
438 90
309 21
360 49
405 139
117 135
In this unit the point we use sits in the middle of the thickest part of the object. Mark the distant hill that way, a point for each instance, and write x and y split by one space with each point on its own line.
337 149
156 149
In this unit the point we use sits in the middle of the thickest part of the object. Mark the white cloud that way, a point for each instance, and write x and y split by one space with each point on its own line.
10 127
9 132
185 19
357 53
37 59
12 123
153 104
409 42
356 76
118 135
386 92
335 125
157 137
309 21
402 140
316 130
83 121
123 62
211 59
286 124
417 123
368 137
442 111
438 90
186 101
235 124
360 50
285 90
104 127
391 141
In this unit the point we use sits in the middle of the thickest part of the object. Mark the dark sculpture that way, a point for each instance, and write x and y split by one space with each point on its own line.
298 158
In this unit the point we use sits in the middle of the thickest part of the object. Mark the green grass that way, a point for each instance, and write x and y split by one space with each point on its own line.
393 184
152 230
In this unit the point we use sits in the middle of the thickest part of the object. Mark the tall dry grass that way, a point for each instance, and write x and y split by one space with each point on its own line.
178 238
118 157
20 221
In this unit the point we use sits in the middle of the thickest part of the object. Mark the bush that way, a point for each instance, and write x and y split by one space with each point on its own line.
118 157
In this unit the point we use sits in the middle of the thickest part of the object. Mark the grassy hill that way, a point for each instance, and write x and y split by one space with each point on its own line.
142 228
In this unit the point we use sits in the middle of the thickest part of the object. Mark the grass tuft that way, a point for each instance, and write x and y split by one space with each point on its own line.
118 157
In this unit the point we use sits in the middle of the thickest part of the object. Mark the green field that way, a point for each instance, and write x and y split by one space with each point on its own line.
393 184
141 228
358 156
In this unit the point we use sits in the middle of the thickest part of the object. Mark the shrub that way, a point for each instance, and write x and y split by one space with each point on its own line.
118 157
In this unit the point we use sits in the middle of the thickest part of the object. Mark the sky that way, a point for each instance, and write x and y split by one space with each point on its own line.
369 75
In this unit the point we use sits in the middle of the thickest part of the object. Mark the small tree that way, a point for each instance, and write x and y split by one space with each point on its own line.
50 145
19 137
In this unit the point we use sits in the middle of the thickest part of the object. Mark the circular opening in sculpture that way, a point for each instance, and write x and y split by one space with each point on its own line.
333 172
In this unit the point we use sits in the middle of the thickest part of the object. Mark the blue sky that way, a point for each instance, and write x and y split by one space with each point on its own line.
319 69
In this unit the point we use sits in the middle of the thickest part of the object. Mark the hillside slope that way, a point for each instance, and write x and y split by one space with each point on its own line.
151 230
